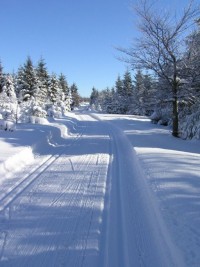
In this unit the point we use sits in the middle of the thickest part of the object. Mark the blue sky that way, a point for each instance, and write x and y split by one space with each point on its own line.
75 37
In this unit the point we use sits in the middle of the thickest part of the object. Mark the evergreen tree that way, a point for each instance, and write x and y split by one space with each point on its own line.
8 87
75 96
114 101
139 94
65 91
1 77
43 82
127 85
119 86
19 84
27 83
54 89
119 96
126 97
189 106
107 100
8 100
94 98
63 84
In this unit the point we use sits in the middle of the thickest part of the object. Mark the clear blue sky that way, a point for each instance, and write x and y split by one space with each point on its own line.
75 37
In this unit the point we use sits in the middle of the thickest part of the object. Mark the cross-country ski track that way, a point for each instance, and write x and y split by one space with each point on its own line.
85 200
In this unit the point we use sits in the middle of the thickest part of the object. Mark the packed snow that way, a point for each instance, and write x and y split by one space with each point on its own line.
91 189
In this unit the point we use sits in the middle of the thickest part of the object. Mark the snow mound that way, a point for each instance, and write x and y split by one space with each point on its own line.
15 163
7 125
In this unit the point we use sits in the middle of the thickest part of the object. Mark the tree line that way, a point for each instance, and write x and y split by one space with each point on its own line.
127 96
33 92
165 59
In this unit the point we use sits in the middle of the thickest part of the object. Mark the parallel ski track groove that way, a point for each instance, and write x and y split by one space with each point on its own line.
16 190
79 187
83 194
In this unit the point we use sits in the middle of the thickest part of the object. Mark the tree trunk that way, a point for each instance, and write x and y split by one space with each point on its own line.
175 130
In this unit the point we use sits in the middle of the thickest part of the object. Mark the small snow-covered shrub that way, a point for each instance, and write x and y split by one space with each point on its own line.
38 120
7 125
96 107
190 128
31 108
65 106
8 111
161 117
39 112
54 111
155 117
5 112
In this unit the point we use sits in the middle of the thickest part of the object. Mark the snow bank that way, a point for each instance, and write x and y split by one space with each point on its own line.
19 149
174 178
7 125
15 162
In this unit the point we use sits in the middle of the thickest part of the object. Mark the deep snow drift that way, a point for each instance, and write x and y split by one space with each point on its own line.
98 190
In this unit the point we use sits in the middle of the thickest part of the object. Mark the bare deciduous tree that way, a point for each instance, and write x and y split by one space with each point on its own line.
161 45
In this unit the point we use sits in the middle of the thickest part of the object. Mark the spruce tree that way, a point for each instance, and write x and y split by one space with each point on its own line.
19 84
64 84
54 90
94 97
127 84
119 95
139 94
27 85
127 92
75 96
43 82
9 88
65 91
1 77
8 100
119 86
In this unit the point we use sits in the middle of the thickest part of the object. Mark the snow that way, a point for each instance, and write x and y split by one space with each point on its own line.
7 125
91 189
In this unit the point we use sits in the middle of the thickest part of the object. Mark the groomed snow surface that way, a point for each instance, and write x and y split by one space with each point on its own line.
98 190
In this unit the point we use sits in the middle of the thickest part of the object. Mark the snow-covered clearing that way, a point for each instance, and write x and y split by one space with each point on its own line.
98 190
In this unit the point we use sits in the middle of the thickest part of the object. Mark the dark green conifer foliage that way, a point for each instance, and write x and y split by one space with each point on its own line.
75 96
1 78
27 80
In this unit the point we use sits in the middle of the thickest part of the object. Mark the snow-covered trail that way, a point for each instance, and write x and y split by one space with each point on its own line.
55 220
170 166
87 206
136 234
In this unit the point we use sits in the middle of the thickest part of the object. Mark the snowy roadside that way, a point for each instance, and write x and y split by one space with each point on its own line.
170 167
30 145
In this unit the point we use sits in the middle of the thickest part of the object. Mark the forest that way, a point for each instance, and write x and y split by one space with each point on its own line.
32 94
163 79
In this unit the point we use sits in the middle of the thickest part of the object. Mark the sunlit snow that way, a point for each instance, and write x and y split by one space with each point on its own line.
93 189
